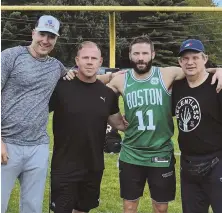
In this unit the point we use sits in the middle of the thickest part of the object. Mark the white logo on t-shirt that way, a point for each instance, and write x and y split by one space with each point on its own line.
103 98
108 129
188 114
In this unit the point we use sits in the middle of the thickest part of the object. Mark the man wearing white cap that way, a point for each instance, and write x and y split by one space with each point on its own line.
28 79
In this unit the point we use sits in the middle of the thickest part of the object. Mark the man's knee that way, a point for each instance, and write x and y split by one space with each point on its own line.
130 206
160 207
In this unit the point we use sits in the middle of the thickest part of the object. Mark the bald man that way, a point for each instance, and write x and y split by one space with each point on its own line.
82 108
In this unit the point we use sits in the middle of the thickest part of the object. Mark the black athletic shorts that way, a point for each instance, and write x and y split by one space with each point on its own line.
200 190
161 181
81 194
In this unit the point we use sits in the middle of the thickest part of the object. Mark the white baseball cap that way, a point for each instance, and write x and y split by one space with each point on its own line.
48 23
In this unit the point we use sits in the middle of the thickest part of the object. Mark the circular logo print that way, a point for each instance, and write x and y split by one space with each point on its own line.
188 114
154 81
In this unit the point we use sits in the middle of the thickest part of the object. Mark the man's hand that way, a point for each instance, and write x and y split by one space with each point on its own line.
70 75
4 153
217 76
117 122
125 122
117 73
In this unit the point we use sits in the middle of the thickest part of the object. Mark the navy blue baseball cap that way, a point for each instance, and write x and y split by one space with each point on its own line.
191 44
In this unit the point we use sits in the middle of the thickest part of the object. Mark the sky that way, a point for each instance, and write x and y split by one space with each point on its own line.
219 2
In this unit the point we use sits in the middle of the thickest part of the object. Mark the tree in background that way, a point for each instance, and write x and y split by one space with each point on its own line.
17 26
82 26
167 30
76 27
207 26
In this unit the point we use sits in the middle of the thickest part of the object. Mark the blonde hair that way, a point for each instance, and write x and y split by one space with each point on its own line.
87 44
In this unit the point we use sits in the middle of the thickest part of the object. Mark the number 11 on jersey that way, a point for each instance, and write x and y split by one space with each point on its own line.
141 126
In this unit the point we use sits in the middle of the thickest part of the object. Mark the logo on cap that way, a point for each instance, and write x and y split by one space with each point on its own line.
49 23
188 45
191 44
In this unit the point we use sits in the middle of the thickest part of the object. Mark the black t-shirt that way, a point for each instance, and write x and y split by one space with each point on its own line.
81 111
199 117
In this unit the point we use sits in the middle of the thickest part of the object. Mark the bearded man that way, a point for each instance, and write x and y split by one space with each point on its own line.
147 152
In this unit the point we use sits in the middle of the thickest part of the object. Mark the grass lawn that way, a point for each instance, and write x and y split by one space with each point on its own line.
110 201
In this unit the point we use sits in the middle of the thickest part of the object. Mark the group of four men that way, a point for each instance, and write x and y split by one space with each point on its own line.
83 106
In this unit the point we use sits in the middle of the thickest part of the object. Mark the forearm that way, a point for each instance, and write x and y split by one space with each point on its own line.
119 126
105 78
211 70
117 122
179 74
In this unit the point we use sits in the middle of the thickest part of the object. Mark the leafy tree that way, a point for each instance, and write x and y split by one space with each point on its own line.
207 26
165 29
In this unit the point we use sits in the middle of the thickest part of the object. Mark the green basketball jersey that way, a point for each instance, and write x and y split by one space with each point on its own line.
147 104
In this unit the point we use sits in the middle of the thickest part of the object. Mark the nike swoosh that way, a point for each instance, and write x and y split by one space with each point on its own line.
129 85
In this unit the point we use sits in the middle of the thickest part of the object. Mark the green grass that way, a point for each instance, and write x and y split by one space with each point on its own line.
110 199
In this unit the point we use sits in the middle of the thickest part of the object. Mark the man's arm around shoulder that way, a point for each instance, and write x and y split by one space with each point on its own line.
117 122
175 73
117 84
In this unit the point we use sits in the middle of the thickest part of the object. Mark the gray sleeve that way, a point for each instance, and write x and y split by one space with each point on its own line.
63 69
7 64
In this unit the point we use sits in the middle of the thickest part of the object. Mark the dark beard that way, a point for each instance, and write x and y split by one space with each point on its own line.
144 70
